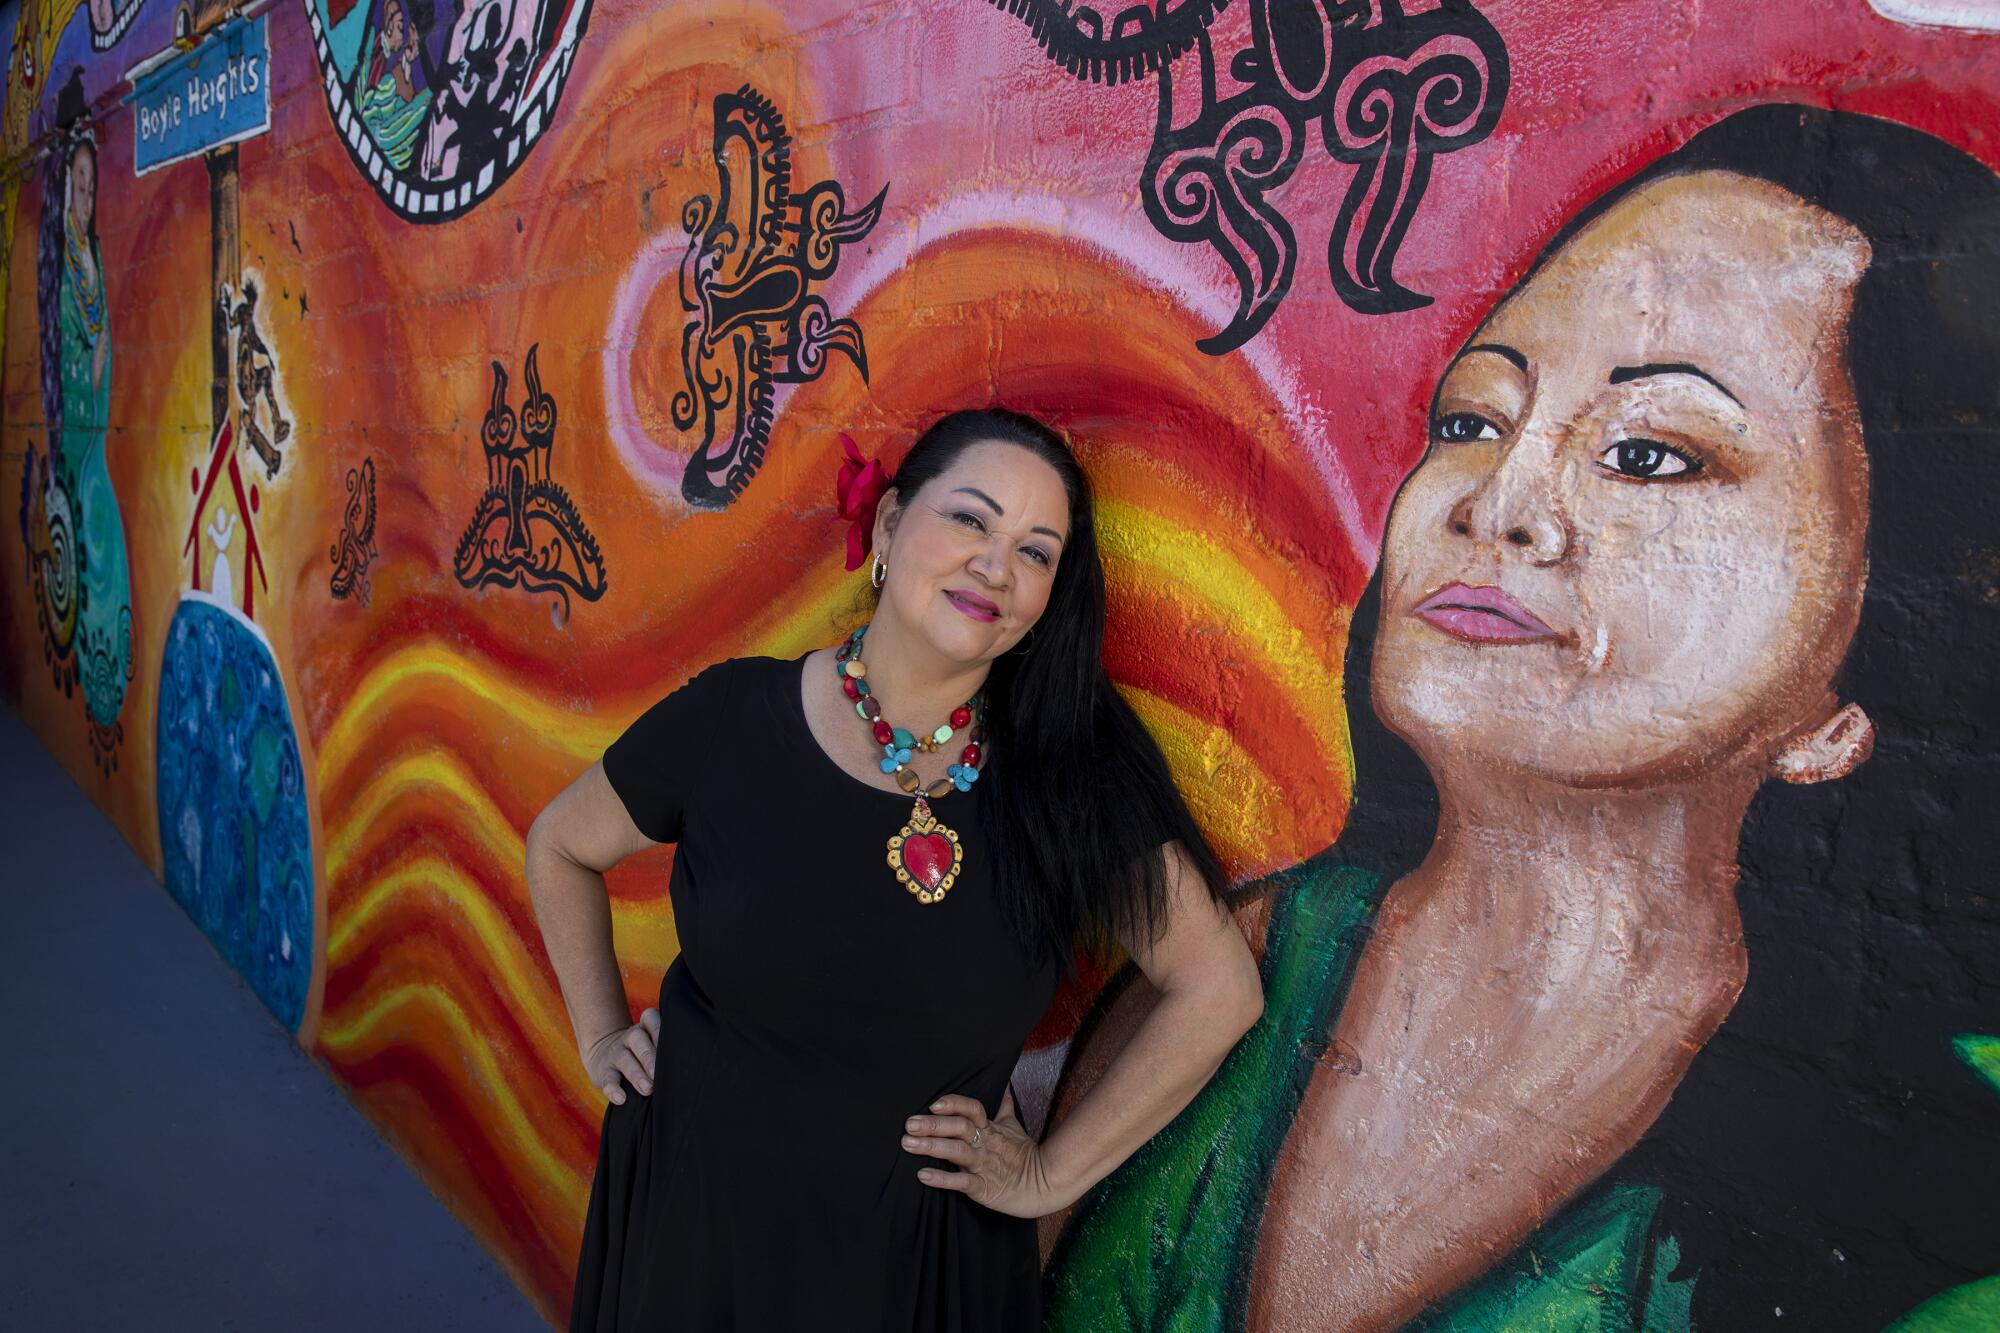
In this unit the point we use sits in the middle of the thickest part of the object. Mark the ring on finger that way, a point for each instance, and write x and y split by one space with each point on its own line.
975 1136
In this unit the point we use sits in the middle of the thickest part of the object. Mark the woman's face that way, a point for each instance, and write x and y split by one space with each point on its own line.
1636 547
972 555
83 187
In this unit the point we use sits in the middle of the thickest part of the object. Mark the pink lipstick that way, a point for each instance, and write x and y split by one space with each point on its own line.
973 605
1481 615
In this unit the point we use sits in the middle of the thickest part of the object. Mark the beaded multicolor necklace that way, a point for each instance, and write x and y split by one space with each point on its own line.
86 271
924 853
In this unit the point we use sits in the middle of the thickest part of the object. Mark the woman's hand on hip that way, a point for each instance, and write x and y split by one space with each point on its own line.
628 1051
999 1165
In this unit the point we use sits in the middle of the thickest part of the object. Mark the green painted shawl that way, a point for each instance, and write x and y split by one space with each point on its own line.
392 122
104 615
1165 1243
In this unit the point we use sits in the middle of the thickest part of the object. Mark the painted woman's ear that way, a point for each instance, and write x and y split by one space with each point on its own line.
1831 750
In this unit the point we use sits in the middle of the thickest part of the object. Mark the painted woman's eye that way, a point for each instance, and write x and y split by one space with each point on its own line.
1647 460
1459 427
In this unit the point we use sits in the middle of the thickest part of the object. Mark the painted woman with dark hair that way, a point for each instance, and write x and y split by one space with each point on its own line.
887 850
390 99
1651 985
74 316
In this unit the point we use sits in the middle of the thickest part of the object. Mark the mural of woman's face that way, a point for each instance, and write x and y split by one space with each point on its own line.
83 187
1635 550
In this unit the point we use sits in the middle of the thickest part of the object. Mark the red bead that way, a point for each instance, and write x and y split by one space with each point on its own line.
959 717
969 755
884 733
853 690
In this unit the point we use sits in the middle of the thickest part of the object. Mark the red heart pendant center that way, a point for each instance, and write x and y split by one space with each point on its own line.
927 856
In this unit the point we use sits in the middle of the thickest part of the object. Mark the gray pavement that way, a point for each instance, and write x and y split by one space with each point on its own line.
168 1158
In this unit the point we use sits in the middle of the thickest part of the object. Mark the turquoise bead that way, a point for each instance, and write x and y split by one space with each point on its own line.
890 765
904 740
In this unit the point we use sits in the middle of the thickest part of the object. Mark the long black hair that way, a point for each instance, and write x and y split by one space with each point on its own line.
1080 799
72 135
1829 1159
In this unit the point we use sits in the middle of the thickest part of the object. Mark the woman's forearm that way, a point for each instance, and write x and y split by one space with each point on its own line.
1176 1049
573 910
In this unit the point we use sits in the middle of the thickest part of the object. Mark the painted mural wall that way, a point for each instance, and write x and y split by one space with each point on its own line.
1547 456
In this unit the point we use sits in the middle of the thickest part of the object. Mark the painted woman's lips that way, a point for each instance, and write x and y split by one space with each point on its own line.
1481 615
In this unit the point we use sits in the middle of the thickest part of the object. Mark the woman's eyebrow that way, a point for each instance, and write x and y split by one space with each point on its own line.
991 502
1502 350
1620 374
973 490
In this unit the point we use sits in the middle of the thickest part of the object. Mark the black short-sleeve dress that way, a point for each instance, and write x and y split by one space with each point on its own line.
815 1005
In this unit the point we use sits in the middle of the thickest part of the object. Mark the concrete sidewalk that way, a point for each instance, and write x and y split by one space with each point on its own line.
168 1159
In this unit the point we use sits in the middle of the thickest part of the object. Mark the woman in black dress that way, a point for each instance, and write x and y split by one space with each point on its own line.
888 851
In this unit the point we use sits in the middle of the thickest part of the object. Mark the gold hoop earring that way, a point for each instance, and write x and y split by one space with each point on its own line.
878 573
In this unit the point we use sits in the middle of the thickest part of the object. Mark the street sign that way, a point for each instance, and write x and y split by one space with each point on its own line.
217 93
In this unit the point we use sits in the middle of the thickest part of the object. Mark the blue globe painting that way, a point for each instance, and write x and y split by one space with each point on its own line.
234 834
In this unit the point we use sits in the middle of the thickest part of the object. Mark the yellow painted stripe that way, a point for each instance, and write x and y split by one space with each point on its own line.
1183 558
1239 815
375 1027
431 771
580 735
642 930
830 592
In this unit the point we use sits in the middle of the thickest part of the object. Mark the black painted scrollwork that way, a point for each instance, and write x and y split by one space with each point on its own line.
1114 45
1387 90
354 550
526 532
54 558
753 252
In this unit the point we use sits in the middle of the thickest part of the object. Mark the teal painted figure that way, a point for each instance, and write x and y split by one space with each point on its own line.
104 630
1649 985
70 516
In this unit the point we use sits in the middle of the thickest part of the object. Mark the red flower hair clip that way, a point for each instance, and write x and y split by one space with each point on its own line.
857 491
